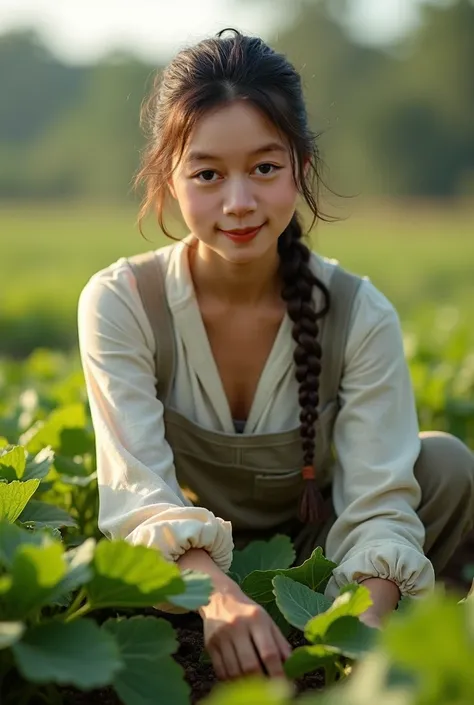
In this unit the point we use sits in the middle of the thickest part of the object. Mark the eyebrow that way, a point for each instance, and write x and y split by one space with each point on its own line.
196 156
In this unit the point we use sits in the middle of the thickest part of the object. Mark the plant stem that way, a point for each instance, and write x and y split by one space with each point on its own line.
330 672
75 604
79 613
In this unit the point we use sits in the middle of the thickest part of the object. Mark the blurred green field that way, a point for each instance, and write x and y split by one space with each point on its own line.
420 256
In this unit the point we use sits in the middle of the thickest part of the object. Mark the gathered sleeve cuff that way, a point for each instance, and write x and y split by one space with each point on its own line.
412 572
178 529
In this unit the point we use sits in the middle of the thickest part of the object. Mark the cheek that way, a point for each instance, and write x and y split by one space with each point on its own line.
284 195
194 204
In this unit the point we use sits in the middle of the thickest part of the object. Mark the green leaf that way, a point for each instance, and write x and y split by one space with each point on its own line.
131 576
263 555
38 467
12 463
314 572
350 637
14 497
10 633
354 600
297 602
75 441
150 674
198 589
76 653
43 514
79 571
13 537
69 467
251 691
48 432
35 572
434 639
306 659
278 618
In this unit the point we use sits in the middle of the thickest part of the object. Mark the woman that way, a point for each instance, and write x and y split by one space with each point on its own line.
217 399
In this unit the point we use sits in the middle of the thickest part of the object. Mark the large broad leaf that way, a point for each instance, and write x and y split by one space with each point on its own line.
79 571
278 618
75 441
48 432
306 659
314 572
38 467
77 653
297 602
351 603
70 468
12 463
434 638
150 675
263 555
251 691
131 576
43 514
350 637
14 497
198 588
10 633
35 572
12 537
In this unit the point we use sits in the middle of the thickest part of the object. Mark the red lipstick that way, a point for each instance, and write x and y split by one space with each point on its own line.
242 234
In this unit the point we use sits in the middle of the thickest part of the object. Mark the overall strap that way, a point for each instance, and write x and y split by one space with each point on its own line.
343 288
151 287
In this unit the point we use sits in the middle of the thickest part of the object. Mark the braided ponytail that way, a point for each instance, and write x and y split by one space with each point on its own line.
297 291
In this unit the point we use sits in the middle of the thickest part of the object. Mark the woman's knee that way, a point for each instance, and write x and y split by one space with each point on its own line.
446 465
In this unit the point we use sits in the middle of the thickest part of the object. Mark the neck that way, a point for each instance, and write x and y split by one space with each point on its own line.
246 284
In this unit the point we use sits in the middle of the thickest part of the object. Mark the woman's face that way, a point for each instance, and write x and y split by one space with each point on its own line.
236 175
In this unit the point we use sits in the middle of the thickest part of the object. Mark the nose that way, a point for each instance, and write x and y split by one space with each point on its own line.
239 199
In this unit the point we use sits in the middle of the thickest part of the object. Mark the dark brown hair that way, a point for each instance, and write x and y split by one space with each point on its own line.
215 72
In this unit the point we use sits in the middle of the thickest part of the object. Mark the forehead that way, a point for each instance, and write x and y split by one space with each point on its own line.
234 130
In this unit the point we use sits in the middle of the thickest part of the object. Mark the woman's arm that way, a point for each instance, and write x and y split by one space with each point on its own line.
385 596
378 533
140 499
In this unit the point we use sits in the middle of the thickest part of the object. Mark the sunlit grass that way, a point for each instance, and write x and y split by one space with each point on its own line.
421 257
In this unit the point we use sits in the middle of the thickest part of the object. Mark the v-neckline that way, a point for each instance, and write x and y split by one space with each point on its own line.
206 368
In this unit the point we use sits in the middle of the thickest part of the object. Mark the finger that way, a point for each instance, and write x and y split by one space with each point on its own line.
247 655
218 665
283 645
268 650
229 657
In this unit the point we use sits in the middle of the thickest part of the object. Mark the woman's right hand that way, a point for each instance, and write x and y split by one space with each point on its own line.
241 637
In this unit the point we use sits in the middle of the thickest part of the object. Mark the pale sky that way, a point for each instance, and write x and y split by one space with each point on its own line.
84 30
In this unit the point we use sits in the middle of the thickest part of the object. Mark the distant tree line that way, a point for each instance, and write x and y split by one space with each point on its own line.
398 122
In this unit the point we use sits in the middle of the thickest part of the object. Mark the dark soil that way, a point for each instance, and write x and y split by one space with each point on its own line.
200 676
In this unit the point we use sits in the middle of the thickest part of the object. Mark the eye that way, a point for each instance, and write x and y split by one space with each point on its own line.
205 176
267 169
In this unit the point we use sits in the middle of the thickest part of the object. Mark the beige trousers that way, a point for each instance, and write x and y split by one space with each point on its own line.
445 472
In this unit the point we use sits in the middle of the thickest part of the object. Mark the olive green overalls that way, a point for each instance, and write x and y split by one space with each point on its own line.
255 480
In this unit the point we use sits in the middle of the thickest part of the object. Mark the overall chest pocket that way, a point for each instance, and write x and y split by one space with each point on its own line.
281 488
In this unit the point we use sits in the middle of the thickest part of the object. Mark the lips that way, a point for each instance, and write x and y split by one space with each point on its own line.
242 231
242 235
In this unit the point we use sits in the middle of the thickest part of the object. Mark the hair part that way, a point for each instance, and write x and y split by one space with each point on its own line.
213 73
